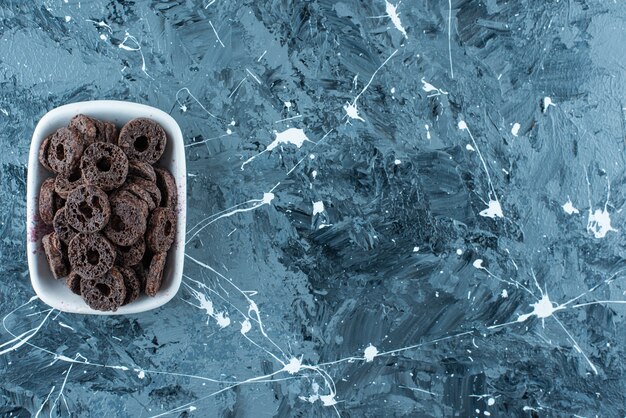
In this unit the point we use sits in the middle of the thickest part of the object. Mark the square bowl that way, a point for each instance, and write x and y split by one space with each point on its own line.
54 292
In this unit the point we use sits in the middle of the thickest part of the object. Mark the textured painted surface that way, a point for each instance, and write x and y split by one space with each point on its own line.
409 210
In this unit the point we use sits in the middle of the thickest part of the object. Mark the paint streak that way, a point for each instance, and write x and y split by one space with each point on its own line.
391 11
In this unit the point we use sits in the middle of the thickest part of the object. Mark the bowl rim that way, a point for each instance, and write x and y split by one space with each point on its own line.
133 110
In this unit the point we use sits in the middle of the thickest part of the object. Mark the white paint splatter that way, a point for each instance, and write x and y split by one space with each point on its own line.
515 129
314 174
328 400
318 207
459 251
599 223
253 76
315 396
204 141
397 162
23 338
428 88
103 37
352 112
543 308
44 402
547 102
395 17
351 108
68 18
101 24
237 86
416 249
256 203
294 136
478 263
504 293
222 320
393 90
369 353
61 324
294 365
268 197
141 374
122 45
449 36
246 326
569 208
427 131
491 401
469 147
207 305
494 210
216 35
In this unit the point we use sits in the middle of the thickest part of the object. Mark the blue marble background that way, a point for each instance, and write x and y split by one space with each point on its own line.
410 209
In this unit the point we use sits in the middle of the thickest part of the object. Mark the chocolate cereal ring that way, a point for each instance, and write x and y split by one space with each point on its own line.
43 153
94 130
62 228
128 219
142 170
104 165
87 209
140 193
48 201
145 190
110 132
65 149
130 255
132 283
161 230
59 202
91 255
167 185
73 281
57 260
86 126
154 276
104 293
140 272
143 139
65 183
151 188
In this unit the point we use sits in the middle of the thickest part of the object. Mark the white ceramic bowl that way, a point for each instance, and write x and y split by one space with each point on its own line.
54 292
